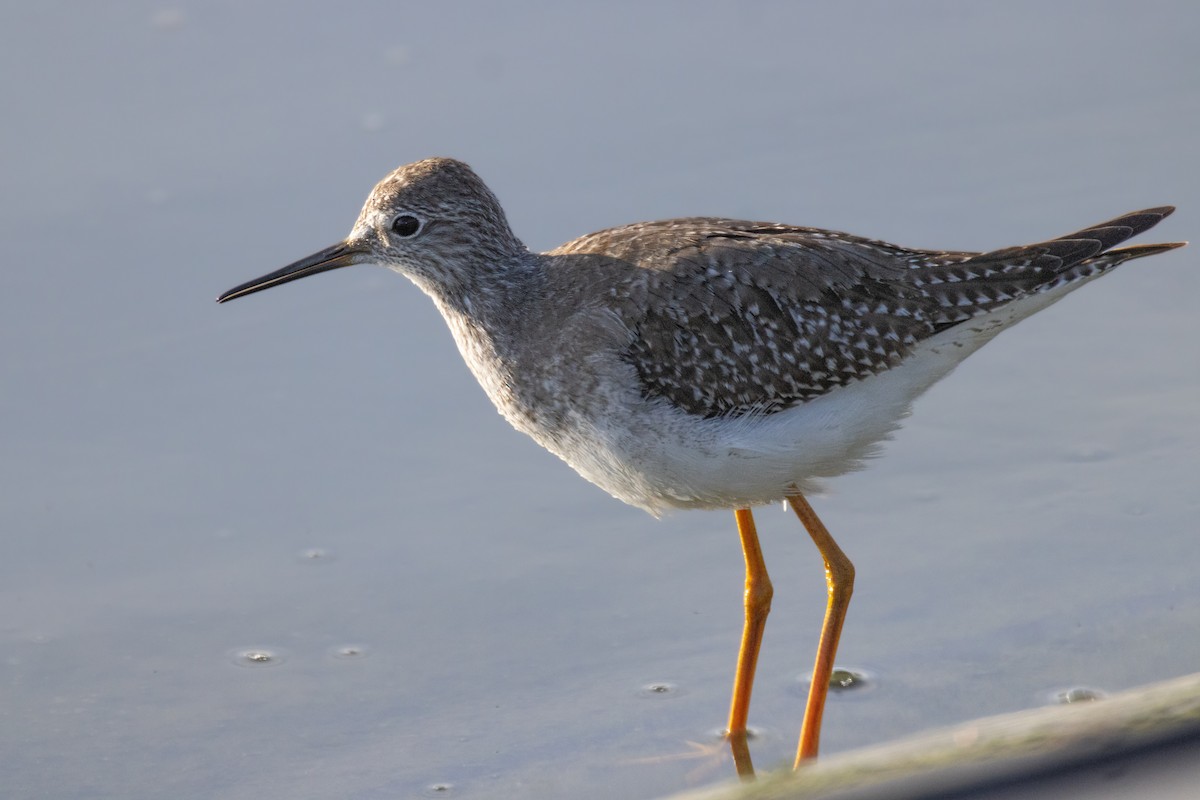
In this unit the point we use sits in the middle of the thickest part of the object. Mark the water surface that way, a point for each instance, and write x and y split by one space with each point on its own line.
170 465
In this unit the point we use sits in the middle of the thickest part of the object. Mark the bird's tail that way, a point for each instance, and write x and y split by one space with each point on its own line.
973 286
1064 252
1106 236
1074 257
1112 233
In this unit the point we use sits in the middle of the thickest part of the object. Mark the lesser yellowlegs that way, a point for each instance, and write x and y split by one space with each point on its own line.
707 362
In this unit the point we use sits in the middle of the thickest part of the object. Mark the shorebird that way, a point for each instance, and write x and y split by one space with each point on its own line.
708 362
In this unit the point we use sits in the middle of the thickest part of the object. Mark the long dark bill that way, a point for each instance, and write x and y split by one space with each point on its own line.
339 255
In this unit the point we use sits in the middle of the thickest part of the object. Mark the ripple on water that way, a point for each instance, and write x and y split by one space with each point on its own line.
660 689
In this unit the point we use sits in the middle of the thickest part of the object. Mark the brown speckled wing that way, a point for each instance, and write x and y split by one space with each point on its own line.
734 317
737 317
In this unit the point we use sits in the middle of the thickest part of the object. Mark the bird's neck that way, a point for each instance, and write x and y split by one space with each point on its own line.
494 296
490 317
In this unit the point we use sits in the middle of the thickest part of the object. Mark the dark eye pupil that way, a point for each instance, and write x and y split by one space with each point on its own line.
406 224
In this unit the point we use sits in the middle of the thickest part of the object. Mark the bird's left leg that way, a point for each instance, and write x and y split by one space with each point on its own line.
758 605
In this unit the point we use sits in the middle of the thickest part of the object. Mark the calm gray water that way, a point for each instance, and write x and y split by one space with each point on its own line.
312 472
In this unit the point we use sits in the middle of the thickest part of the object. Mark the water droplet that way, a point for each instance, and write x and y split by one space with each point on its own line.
1078 694
257 657
752 733
439 789
842 680
349 652
316 554
659 689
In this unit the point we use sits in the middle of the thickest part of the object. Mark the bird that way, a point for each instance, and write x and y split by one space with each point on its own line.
707 362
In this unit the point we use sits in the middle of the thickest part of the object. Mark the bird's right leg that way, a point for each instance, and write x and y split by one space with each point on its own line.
839 580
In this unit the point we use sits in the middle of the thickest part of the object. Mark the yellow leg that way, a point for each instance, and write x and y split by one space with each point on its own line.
758 605
839 578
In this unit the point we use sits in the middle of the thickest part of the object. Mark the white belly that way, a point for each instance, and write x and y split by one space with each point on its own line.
655 457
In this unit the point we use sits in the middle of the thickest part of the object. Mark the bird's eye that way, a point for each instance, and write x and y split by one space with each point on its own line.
406 225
